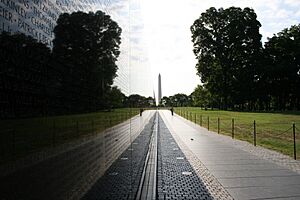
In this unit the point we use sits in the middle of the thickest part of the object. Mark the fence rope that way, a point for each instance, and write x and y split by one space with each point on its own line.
225 123
278 134
246 129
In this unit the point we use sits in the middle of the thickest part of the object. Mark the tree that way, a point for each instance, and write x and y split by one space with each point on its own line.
116 98
166 101
282 70
200 97
86 46
180 100
136 101
227 46
150 102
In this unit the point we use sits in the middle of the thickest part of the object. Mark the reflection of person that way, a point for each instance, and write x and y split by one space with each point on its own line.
141 111
172 110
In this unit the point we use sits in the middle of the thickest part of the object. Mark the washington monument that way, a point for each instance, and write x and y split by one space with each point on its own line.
159 89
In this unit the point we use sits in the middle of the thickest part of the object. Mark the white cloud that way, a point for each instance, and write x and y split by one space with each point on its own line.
297 13
292 3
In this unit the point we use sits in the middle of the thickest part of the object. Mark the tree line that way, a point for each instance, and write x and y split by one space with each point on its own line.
236 70
75 76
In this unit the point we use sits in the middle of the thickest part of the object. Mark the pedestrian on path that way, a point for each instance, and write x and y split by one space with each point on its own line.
141 111
172 111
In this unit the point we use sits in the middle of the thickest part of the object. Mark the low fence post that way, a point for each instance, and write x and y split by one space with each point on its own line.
53 134
200 120
232 128
93 126
294 137
195 118
77 128
207 122
14 143
218 125
254 133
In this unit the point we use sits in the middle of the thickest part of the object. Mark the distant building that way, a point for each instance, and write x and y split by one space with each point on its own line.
159 90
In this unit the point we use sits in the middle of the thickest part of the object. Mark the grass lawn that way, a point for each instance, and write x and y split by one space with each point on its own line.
273 130
23 136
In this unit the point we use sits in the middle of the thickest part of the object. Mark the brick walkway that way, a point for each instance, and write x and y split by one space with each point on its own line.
176 177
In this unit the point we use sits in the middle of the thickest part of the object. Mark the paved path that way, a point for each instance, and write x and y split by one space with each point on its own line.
223 164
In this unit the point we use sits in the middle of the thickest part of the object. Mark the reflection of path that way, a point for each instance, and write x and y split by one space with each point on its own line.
121 180
72 169
243 173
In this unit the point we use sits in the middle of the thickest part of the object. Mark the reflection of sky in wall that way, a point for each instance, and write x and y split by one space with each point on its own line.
133 79
137 78
133 73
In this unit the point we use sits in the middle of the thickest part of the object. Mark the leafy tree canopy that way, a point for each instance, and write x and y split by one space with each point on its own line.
227 46
282 70
200 97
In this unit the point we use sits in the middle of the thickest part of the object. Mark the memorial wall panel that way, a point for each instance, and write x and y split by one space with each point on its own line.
37 18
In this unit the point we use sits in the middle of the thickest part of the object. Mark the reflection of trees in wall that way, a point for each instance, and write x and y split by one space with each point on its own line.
88 46
138 101
25 73
75 78
116 98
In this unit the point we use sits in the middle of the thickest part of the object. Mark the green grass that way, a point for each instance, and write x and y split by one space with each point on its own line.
24 136
274 130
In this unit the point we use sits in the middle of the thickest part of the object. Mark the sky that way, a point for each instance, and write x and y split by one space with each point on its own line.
160 39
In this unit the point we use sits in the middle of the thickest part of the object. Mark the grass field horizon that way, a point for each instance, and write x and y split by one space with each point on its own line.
274 130
23 136
19 137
